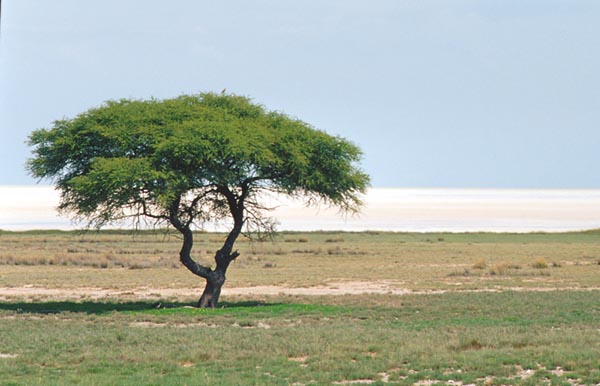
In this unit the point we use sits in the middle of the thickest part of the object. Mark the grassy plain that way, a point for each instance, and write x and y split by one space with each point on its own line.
484 309
412 261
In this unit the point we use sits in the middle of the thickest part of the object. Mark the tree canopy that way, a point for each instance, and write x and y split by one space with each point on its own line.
191 159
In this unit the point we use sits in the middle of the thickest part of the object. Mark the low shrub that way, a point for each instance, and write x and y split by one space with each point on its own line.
540 263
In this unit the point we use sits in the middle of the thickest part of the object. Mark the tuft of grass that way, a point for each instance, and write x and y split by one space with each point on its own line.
295 240
469 344
464 272
503 268
540 263
313 251
499 269
480 264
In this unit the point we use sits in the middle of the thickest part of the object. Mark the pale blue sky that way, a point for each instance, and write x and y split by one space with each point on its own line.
492 94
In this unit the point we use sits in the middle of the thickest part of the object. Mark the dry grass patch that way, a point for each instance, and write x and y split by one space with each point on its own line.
540 263
480 264
411 260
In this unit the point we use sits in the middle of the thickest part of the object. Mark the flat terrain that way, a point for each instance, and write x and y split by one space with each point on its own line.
307 308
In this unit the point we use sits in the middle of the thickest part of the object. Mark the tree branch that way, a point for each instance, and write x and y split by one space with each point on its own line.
147 213
190 209
188 242
236 208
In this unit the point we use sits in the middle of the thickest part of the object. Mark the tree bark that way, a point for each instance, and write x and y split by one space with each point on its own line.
212 291
216 279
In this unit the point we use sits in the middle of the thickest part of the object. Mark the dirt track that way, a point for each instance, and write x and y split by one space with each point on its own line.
332 289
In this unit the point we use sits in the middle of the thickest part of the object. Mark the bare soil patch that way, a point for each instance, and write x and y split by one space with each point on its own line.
29 292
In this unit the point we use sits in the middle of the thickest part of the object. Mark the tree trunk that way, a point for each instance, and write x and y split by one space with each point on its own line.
212 291
214 278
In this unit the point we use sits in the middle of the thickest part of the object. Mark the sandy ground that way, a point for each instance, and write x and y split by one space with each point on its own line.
331 289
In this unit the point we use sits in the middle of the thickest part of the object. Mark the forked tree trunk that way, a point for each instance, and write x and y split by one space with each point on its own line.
214 278
223 257
212 291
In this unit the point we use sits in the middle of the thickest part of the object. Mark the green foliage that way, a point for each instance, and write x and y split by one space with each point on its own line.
132 157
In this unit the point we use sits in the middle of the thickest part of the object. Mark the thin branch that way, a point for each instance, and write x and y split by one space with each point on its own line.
147 213
191 208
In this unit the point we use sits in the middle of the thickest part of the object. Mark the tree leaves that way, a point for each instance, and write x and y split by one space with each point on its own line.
132 157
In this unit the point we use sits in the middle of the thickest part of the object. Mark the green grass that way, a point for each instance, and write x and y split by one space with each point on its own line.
544 333
452 336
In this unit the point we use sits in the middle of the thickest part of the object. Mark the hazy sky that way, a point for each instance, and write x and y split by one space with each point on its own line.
446 93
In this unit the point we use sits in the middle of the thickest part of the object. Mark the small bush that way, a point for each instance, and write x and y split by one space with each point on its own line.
499 268
139 265
540 263
247 323
480 264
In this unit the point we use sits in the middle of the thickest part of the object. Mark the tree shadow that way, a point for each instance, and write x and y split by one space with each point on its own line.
99 308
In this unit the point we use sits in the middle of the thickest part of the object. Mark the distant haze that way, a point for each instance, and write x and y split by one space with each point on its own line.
418 210
462 93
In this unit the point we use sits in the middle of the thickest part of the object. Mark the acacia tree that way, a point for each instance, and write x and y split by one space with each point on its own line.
189 160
